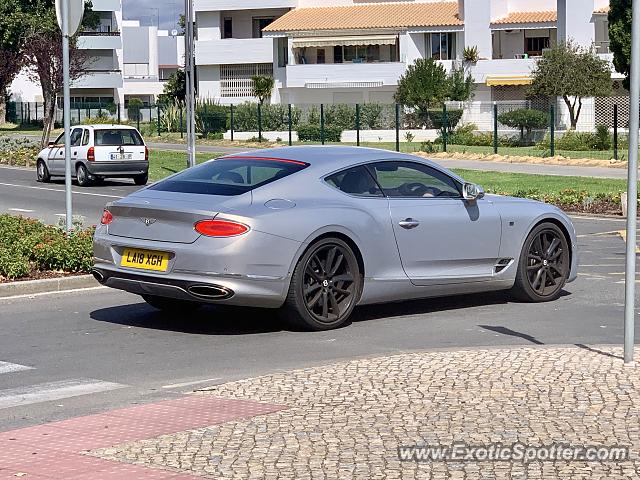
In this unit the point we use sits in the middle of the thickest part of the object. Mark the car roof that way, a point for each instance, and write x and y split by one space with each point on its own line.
329 158
99 126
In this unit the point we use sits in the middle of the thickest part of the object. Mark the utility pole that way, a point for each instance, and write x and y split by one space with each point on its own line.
632 189
190 83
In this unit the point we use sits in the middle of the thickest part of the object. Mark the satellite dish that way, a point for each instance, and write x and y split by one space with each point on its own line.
174 33
76 12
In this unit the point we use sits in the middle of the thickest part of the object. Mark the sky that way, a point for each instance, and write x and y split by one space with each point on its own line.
148 12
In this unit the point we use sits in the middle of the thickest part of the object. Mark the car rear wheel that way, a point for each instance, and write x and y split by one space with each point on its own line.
42 172
544 265
141 179
82 175
170 305
325 286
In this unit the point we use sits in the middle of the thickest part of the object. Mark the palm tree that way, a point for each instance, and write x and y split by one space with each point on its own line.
262 87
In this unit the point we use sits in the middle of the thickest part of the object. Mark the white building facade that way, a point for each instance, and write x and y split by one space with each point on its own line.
350 51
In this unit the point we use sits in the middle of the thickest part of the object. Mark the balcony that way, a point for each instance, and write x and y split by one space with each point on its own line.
100 41
234 51
218 5
521 67
344 75
106 5
99 79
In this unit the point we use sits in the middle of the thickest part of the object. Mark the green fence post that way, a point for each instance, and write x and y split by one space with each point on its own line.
322 123
397 127
231 126
159 126
290 122
138 110
552 126
444 127
615 131
181 123
358 124
259 122
119 114
495 127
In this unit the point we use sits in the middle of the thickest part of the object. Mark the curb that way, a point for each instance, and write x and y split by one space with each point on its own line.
47 285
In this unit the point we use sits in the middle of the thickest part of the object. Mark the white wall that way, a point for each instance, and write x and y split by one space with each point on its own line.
533 6
23 89
209 81
574 21
477 15
208 25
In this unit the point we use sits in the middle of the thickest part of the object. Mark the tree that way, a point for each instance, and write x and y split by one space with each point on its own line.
573 73
43 55
262 87
12 32
620 36
423 86
524 119
461 85
176 87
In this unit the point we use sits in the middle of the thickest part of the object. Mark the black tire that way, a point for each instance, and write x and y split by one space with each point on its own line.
141 179
325 286
82 176
544 265
42 172
171 305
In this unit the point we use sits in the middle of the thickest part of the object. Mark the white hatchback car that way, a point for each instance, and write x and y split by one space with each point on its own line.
98 152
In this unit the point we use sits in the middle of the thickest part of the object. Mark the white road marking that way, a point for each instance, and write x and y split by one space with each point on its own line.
44 294
6 367
21 210
59 190
187 384
46 392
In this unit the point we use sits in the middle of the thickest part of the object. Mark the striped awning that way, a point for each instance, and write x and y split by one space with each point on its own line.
502 80
345 41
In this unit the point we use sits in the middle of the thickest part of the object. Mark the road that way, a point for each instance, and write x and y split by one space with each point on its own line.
118 351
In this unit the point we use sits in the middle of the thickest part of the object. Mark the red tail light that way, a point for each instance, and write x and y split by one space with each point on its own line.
220 228
107 217
146 154
91 154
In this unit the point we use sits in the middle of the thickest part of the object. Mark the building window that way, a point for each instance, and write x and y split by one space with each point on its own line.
441 46
535 45
259 23
236 80
361 54
321 56
227 27
283 52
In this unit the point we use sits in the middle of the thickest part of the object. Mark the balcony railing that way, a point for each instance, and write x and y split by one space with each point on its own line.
94 33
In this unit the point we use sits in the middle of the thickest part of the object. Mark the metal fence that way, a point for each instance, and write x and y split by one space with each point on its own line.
519 128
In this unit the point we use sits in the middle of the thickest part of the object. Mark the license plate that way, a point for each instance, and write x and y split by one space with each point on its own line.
121 156
145 259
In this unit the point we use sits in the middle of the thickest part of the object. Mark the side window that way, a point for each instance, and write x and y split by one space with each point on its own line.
414 180
76 137
85 138
355 181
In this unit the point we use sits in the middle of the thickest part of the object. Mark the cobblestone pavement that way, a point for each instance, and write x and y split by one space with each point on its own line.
347 420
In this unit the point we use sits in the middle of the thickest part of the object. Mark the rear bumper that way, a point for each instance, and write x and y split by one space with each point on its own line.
117 169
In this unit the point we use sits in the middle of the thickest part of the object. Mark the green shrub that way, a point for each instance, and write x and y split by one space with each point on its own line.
313 133
371 116
579 141
435 118
524 119
211 117
274 117
602 139
18 151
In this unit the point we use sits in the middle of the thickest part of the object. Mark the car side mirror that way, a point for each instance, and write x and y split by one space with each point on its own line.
51 144
472 192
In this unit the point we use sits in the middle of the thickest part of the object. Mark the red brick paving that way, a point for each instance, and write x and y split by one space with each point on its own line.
54 450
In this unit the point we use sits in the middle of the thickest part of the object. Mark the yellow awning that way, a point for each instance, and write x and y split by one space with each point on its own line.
497 80
353 40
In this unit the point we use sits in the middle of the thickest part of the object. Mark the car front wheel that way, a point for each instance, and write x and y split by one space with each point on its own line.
42 172
325 286
544 265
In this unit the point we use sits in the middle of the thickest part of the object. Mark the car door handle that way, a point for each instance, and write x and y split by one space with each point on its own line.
409 223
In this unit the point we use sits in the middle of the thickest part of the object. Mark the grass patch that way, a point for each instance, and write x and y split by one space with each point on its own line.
163 163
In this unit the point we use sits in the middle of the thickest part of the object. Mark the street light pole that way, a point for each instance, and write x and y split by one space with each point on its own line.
632 189
67 113
190 83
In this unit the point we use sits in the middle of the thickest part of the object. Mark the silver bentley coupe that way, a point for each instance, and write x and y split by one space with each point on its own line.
316 231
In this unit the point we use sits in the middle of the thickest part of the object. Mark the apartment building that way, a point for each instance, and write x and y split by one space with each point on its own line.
151 56
351 51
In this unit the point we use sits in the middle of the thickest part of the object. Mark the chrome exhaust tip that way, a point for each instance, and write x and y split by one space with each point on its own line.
210 292
97 274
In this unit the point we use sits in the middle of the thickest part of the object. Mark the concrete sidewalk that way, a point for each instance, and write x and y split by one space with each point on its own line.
348 420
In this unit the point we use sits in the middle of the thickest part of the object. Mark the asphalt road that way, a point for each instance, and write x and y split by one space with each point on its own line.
117 351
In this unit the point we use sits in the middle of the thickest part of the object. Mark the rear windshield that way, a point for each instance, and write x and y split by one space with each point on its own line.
117 136
229 176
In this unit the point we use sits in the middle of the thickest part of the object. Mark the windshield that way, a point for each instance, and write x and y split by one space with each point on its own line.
117 136
230 176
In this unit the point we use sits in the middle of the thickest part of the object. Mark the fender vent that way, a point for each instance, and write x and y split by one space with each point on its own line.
502 264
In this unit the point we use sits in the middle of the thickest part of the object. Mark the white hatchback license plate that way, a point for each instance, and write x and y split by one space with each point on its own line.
121 156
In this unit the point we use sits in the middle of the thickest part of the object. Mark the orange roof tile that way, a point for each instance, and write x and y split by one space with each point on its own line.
602 10
546 16
380 15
